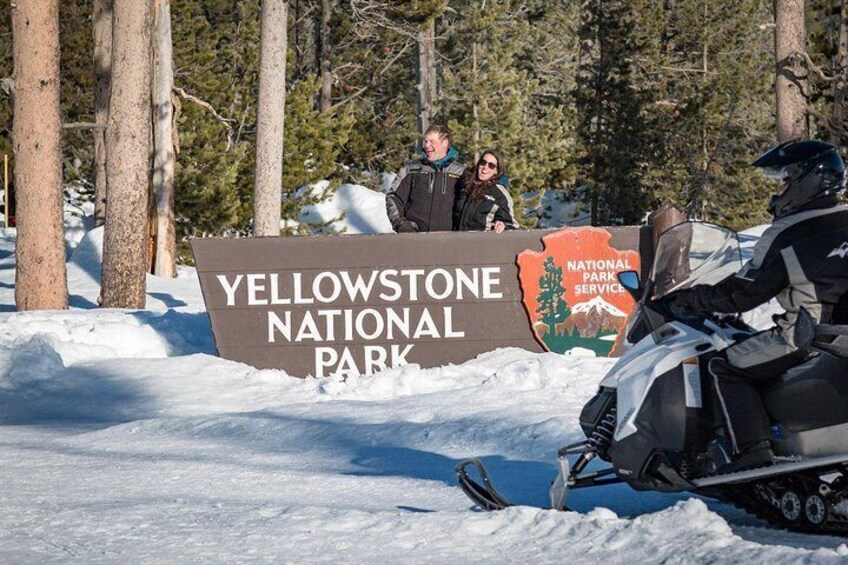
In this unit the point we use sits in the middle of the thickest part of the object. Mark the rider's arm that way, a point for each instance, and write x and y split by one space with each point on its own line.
740 293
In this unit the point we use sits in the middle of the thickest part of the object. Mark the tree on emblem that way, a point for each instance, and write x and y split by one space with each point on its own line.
553 308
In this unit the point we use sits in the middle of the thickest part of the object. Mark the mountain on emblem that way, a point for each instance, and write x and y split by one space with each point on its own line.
571 293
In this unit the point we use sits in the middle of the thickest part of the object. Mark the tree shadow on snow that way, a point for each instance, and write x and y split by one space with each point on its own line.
76 395
81 302
519 481
186 332
168 300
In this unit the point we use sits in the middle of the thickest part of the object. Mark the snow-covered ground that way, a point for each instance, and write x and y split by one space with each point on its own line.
124 439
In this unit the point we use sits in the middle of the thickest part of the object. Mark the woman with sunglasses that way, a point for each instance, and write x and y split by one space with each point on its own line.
483 202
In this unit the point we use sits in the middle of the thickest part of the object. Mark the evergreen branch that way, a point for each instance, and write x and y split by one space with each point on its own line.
208 106
7 85
372 82
84 125
688 70
813 67
372 11
829 123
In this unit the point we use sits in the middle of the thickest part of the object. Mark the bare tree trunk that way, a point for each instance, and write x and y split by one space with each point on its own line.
164 264
128 160
270 119
426 71
102 24
791 77
41 281
475 110
325 47
840 85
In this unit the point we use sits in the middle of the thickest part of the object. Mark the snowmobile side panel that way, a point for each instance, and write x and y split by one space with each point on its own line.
811 443
665 426
638 369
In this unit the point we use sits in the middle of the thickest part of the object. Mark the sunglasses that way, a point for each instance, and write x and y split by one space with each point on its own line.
488 164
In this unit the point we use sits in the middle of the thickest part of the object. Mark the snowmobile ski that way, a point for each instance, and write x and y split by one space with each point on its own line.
779 468
484 495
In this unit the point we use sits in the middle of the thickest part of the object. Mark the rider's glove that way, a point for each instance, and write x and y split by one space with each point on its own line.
681 303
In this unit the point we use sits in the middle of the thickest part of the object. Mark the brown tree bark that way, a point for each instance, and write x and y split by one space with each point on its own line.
426 71
790 85
164 157
41 279
128 161
270 119
102 26
324 50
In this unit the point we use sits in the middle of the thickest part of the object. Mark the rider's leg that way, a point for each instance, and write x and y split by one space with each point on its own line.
749 365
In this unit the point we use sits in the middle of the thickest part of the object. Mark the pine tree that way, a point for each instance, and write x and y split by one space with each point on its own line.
313 148
215 55
489 101
827 49
377 81
6 84
791 84
614 142
270 118
709 67
552 306
549 55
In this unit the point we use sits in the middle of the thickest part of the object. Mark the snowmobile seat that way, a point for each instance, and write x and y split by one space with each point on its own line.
811 395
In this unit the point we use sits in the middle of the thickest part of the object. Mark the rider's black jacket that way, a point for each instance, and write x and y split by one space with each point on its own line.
802 259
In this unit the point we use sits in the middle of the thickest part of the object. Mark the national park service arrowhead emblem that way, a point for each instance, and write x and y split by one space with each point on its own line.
571 292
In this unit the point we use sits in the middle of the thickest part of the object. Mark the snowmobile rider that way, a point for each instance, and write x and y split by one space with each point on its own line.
422 196
802 260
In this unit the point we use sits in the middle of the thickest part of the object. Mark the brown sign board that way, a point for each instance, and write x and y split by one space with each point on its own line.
355 304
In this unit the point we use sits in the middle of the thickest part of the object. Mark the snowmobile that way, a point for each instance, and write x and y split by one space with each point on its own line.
656 419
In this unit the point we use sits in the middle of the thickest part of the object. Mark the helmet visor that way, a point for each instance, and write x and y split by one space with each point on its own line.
776 173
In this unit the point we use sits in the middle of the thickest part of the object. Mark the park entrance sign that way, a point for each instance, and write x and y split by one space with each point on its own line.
349 305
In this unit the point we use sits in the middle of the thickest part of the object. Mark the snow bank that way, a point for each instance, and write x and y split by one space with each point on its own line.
352 209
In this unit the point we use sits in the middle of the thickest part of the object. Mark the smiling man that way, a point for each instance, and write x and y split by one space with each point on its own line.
422 196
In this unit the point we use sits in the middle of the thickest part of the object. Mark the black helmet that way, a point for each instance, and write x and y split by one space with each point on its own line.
811 170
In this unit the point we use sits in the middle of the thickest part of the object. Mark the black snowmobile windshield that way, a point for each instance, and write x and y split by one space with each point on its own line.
694 253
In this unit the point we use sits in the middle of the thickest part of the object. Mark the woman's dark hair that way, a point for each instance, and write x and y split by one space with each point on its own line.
475 187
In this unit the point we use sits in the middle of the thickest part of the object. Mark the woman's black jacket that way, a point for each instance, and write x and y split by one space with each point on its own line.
481 215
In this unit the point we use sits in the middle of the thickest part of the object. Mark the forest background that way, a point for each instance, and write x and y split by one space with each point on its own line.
623 105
